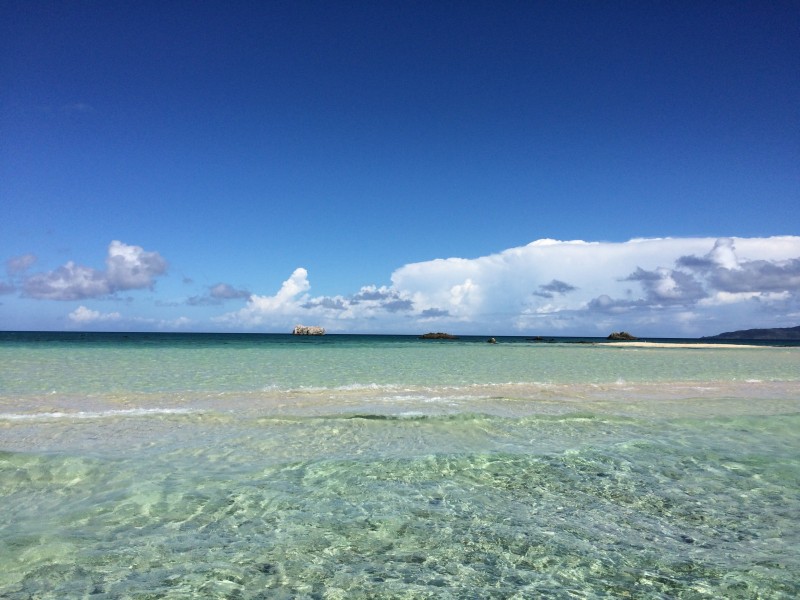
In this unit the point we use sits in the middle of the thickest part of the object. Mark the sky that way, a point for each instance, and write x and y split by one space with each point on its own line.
497 168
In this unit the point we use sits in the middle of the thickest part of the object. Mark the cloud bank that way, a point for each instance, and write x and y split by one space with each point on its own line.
663 287
127 268
87 318
666 286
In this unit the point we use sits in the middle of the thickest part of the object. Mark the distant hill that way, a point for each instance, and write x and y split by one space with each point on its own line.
777 333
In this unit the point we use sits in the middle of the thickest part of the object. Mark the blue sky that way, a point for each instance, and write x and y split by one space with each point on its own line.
399 167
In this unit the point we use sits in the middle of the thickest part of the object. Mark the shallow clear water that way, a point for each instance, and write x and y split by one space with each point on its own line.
342 467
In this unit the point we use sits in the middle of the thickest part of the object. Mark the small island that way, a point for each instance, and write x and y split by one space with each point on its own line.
438 336
622 335
308 330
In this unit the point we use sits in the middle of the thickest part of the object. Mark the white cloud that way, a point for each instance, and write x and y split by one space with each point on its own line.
68 282
177 323
665 286
131 267
85 316
271 309
722 298
19 264
127 267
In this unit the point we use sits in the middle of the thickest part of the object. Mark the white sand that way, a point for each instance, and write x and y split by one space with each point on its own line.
679 345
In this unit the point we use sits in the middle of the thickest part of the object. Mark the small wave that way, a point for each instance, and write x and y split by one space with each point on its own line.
412 416
408 387
356 387
129 412
350 387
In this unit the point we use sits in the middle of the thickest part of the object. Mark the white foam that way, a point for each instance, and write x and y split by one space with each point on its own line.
129 412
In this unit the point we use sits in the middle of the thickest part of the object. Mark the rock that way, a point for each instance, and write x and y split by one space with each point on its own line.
308 330
492 341
622 335
438 336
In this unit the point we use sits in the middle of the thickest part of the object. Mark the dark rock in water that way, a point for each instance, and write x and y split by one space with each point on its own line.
438 336
308 330
492 341
266 568
622 335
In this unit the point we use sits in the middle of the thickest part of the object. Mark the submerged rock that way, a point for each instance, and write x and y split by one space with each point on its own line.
308 330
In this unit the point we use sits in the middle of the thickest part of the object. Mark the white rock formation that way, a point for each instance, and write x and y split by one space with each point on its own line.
308 330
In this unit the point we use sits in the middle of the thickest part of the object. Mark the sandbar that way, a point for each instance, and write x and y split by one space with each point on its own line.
680 345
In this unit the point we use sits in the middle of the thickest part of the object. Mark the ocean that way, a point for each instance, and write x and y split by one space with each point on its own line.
345 466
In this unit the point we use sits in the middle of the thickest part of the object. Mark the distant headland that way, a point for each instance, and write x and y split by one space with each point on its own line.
776 333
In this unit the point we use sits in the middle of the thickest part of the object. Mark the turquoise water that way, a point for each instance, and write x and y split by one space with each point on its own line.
389 467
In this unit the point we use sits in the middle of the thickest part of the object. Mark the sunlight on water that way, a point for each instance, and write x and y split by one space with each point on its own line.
505 485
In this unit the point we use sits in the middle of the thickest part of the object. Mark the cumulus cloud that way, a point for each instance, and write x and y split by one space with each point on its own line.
127 267
668 286
83 315
292 304
268 309
664 286
131 267
649 281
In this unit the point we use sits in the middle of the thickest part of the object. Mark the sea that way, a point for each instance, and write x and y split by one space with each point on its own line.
364 466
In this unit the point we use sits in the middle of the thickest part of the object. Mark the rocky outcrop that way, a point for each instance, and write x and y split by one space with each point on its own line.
622 335
438 336
308 330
